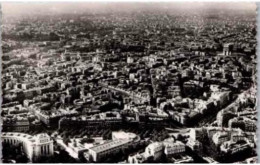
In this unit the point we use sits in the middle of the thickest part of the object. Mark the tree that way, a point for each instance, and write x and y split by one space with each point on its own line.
180 137
66 140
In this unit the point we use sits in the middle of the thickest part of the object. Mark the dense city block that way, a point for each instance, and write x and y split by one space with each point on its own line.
129 83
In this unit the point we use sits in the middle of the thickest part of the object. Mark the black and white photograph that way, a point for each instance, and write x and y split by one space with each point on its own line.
129 82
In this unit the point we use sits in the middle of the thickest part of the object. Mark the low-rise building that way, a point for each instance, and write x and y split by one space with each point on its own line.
155 150
101 151
174 148
220 137
16 124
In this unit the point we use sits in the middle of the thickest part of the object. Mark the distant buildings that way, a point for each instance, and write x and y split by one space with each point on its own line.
173 150
229 140
18 124
93 73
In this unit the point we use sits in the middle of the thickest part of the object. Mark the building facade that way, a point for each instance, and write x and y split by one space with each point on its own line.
34 146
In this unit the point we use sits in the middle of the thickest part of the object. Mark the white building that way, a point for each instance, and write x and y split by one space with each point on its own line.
130 60
210 160
76 148
104 150
220 137
120 141
227 49
195 145
123 135
238 137
137 158
174 148
34 146
233 147
155 150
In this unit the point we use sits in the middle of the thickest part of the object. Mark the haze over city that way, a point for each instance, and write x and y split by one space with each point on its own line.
114 82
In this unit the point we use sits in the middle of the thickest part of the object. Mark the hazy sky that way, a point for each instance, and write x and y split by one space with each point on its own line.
20 8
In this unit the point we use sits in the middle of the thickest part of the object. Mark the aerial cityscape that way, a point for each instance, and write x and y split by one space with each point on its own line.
129 82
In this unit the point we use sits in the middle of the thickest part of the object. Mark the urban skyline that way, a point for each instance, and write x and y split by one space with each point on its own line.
114 82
